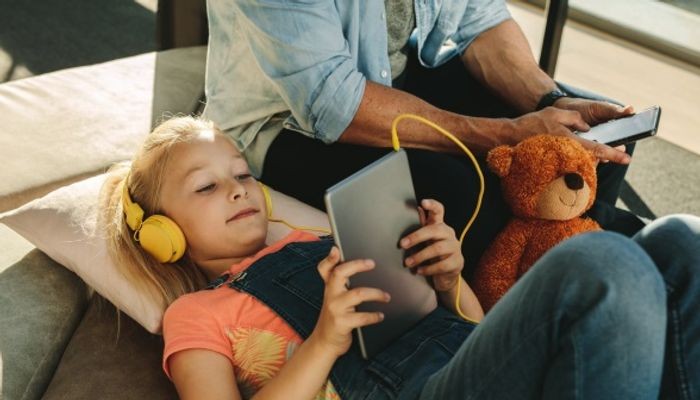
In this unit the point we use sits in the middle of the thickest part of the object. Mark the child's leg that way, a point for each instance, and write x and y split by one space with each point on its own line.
673 243
587 321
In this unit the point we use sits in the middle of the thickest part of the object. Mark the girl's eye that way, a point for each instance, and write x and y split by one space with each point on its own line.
243 177
207 188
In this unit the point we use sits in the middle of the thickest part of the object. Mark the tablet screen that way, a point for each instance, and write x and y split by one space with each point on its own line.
369 213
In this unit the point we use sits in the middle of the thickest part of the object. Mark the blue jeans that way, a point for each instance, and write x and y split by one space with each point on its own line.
599 316
589 320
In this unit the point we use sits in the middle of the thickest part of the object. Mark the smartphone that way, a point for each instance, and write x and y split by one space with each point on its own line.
625 130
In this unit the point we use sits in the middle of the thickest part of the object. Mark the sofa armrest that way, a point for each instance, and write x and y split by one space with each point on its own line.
41 304
123 360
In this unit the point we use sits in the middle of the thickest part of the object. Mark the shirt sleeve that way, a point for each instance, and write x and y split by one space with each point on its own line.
301 48
479 16
189 325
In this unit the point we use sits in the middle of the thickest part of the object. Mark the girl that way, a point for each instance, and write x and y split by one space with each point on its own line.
275 321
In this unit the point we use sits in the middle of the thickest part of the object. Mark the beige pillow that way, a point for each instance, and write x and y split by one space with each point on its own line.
62 224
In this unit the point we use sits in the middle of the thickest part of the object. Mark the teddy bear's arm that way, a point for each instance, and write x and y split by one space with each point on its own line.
497 270
590 225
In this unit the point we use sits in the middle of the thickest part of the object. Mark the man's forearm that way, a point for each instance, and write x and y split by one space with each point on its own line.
371 125
501 59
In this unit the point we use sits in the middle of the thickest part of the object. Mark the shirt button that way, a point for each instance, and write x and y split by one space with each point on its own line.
384 73
381 16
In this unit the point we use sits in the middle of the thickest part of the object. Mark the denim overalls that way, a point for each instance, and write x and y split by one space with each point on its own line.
289 283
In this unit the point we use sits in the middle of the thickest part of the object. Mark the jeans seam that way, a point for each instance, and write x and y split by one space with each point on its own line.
577 371
683 382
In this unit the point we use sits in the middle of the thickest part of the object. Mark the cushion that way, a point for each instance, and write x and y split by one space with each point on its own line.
41 304
64 126
124 360
63 225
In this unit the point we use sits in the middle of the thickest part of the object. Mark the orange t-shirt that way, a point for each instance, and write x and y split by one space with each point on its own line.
256 340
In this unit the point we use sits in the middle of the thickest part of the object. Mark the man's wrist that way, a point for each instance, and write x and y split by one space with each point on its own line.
549 98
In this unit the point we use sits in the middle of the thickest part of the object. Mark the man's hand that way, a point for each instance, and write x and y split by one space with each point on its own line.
592 111
550 120
560 122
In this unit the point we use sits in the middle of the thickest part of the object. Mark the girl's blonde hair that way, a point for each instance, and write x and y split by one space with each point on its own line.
163 282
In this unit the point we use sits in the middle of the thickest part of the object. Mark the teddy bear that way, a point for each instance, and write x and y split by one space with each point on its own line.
548 182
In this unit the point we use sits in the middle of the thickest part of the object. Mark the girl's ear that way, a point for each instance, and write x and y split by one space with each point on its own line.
499 160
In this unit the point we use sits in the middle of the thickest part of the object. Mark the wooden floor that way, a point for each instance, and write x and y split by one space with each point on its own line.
600 63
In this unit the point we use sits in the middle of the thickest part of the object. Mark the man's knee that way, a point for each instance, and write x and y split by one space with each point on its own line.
684 228
671 239
606 267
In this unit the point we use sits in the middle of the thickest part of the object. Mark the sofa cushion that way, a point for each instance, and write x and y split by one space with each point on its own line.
41 304
113 359
64 126
63 224
13 248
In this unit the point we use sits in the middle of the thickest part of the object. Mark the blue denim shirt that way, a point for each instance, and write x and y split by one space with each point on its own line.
303 64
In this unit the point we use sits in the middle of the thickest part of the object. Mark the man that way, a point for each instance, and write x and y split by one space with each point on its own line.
309 89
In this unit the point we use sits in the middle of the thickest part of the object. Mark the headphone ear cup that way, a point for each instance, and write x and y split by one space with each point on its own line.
162 238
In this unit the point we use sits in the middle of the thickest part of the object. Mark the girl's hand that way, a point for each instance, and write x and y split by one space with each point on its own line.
441 258
338 316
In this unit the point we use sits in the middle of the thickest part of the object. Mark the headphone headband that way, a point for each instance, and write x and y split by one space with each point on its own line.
133 212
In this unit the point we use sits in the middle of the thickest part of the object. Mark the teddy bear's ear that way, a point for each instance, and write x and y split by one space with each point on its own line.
499 160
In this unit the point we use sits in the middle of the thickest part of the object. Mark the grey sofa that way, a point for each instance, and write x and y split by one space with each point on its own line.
59 339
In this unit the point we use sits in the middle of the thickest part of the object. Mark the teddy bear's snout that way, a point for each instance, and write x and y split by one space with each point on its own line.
573 181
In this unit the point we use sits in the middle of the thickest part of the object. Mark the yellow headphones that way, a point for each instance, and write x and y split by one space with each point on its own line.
160 236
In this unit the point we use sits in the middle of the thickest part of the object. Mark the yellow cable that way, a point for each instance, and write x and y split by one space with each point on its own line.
395 144
300 227
268 205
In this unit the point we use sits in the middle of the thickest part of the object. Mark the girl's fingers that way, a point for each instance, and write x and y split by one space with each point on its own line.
357 296
422 216
338 276
360 319
327 264
438 249
435 209
452 264
429 232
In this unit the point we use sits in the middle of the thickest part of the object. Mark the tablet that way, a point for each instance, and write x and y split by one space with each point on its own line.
627 129
369 213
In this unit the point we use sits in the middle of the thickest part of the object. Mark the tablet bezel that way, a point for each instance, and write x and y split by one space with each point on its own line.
369 212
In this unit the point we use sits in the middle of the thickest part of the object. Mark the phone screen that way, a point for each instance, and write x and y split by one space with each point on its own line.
625 130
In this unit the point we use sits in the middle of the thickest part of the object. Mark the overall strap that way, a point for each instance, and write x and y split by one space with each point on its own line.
288 282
